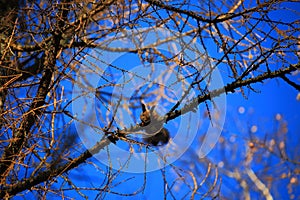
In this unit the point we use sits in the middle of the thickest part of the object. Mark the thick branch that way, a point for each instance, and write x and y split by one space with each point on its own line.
11 152
50 173
217 19
231 88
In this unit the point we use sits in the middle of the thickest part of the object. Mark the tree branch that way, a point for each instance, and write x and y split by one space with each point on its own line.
291 83
231 88
50 173
217 19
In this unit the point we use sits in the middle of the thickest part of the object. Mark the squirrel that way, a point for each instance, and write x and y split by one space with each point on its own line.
154 129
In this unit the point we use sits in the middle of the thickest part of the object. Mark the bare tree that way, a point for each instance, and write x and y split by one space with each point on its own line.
58 57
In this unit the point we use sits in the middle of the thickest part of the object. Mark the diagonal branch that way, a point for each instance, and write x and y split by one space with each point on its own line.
291 83
217 19
231 88
50 173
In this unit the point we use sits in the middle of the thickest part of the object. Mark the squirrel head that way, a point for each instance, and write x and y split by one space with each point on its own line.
158 134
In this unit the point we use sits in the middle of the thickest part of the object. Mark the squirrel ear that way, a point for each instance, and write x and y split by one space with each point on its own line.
152 109
144 108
